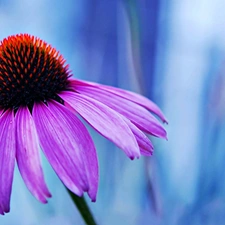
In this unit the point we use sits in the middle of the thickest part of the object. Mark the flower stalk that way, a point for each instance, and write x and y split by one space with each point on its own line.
82 208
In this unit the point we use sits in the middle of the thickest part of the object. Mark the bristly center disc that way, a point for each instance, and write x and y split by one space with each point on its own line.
30 70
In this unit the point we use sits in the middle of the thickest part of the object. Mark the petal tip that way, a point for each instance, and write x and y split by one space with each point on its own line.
1 211
44 201
6 210
49 195
132 157
165 121
163 135
93 199
92 194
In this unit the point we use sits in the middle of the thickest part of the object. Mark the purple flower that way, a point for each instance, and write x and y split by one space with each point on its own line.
39 108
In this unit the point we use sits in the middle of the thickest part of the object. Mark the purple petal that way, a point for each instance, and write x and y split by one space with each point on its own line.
27 155
105 120
145 145
68 147
137 98
1 211
137 114
7 159
134 97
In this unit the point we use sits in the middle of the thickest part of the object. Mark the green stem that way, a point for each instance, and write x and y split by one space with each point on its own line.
83 208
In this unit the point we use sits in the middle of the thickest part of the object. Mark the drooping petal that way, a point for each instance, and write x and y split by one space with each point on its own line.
134 97
1 211
145 145
105 120
137 98
68 147
143 119
27 155
7 158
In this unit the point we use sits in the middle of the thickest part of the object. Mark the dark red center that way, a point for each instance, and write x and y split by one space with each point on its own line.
30 70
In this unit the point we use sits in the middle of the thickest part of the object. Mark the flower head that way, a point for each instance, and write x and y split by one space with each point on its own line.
39 104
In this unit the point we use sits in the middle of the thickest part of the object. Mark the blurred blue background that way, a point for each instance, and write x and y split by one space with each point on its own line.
173 53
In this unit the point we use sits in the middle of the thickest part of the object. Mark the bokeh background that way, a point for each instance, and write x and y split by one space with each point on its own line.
170 51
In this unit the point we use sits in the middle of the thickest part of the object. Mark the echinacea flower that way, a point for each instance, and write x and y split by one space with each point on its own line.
40 105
